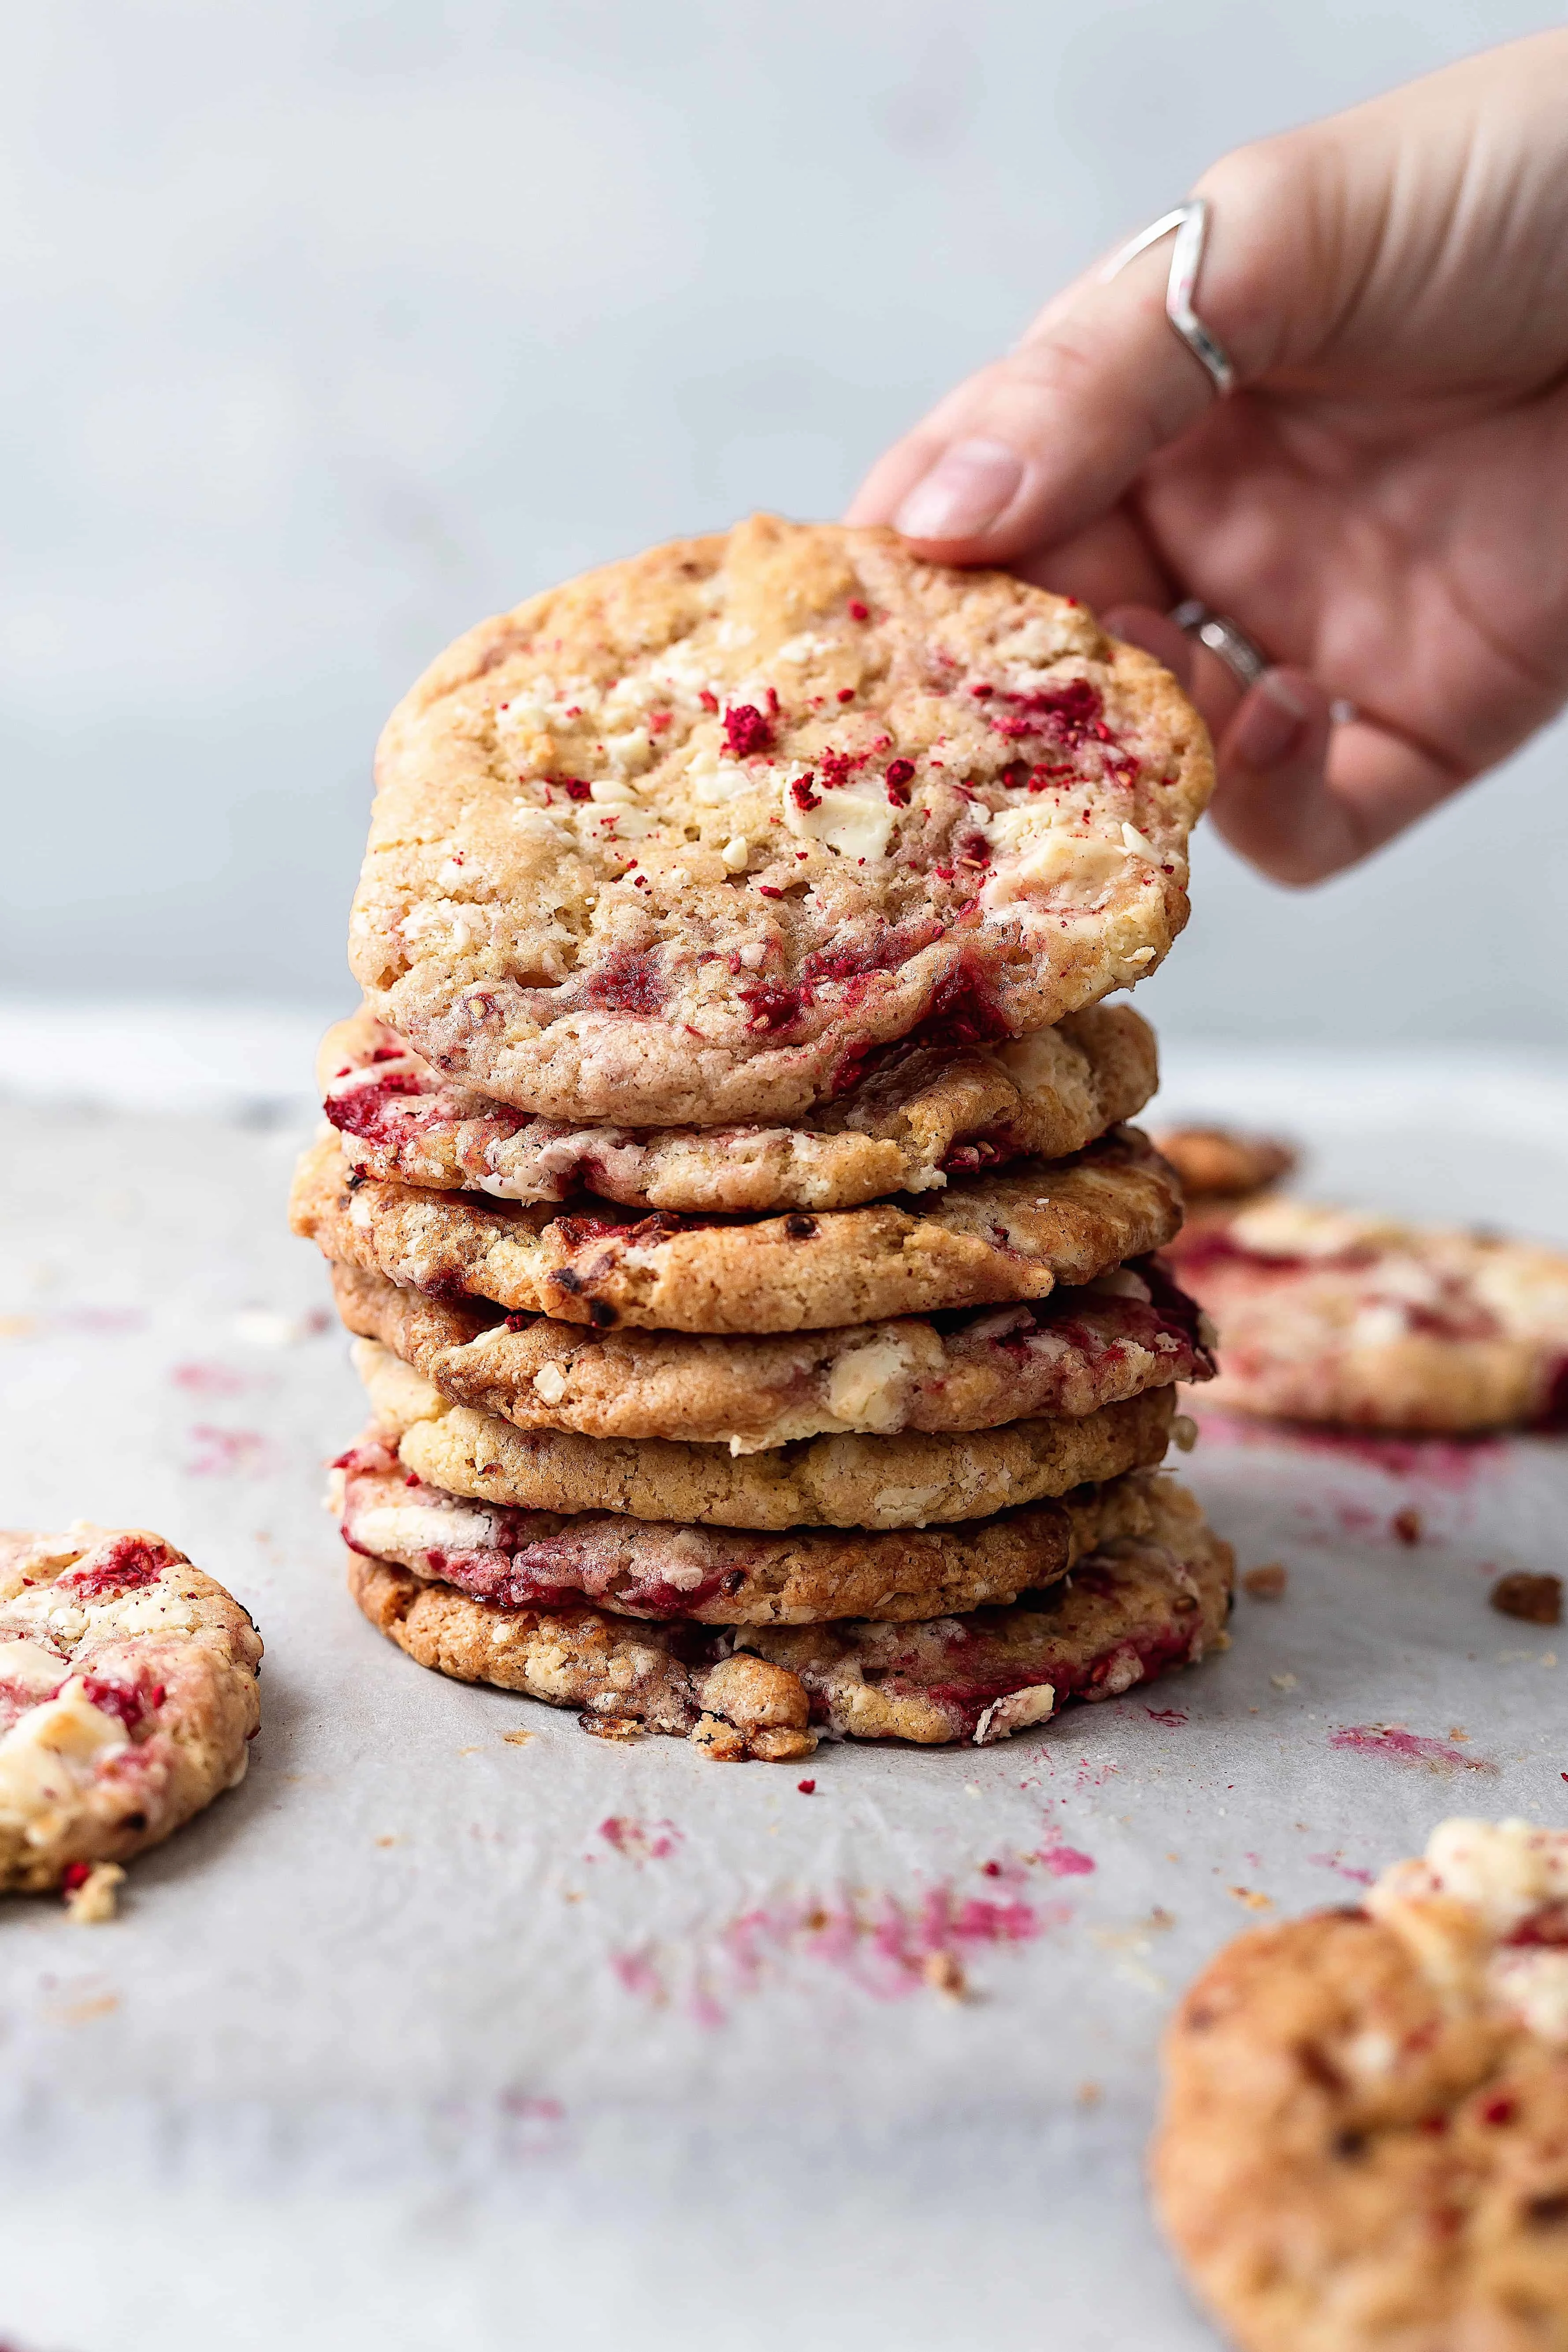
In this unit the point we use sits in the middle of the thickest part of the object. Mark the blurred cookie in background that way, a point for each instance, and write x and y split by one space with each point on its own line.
1365 2136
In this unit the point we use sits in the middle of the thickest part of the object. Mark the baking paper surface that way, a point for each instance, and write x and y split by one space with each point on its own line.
455 2025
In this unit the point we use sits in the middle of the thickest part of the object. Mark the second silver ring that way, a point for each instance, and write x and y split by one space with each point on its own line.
1245 662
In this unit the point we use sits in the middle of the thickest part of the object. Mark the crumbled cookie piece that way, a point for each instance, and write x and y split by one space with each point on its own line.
1537 1599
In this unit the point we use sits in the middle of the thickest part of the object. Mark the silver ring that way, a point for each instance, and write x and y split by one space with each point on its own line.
1244 661
1190 223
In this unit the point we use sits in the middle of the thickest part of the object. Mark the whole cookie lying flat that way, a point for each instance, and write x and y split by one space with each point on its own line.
1134 1609
1365 2144
640 1568
680 842
915 1115
1324 1316
1066 1355
908 1481
1007 1235
127 1696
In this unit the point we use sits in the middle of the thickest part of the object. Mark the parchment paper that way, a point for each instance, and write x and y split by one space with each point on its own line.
427 2038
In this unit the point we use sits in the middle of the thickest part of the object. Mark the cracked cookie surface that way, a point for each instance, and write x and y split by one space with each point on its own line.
1003 1236
917 1116
681 842
1130 1330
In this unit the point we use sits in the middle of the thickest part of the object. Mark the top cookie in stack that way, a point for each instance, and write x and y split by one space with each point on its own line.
732 932
683 842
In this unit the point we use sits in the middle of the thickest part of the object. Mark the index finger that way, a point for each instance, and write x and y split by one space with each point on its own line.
1036 446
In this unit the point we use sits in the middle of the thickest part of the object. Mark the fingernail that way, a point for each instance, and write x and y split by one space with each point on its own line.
1271 721
964 493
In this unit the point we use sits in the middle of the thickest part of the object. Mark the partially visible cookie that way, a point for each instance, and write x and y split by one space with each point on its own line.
1007 1235
1364 2142
127 1698
639 1567
1222 1163
913 1117
1132 1612
1064 1356
1371 1323
681 842
908 1481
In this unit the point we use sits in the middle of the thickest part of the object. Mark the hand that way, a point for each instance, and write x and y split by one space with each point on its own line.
1382 505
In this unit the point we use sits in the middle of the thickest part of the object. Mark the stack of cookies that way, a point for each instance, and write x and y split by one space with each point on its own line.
726 1178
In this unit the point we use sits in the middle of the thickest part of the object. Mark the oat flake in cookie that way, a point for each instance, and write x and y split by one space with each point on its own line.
681 842
915 1115
1137 1608
1364 2142
128 1693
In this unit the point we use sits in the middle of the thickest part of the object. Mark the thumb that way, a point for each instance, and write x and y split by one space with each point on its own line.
1040 444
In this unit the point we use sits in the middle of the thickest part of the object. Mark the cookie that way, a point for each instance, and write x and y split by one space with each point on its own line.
1068 1355
1221 1164
1007 1235
908 1481
127 1698
681 842
915 1115
1326 1316
640 1568
1364 2141
1132 1610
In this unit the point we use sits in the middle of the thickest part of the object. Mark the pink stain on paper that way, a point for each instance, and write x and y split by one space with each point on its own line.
1408 1748
1452 1463
1344 1869
207 1380
229 1452
639 1841
102 1322
887 1947
1066 1861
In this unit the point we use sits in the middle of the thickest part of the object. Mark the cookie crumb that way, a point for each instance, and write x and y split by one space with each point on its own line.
943 1975
1088 2094
1408 1525
1283 1682
1184 1432
93 1897
518 1739
1268 1582
1537 1599
1253 1900
611 1727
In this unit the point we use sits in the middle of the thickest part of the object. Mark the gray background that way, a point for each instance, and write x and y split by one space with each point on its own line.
330 328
